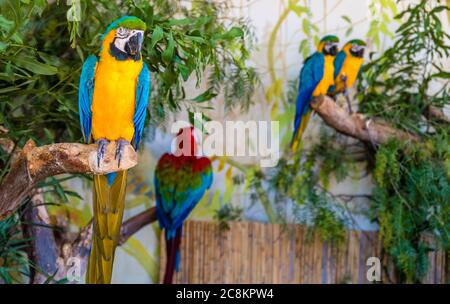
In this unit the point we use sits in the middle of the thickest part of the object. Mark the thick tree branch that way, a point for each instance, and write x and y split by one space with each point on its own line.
357 125
42 250
33 164
135 223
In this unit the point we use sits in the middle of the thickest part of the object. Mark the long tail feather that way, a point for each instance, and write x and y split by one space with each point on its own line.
299 132
108 204
173 253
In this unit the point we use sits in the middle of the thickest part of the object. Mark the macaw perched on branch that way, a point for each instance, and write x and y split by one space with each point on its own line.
113 96
347 67
181 179
316 77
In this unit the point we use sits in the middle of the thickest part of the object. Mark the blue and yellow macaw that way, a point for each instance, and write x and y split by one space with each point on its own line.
316 76
113 95
347 67
181 180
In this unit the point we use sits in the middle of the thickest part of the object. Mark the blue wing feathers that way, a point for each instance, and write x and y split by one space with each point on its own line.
310 76
85 91
303 98
142 95
338 63
172 214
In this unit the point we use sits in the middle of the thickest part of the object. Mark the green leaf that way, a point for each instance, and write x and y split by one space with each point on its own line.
184 71
200 22
306 27
6 24
439 9
180 22
205 96
196 39
157 35
392 6
347 18
8 89
445 75
348 31
31 64
167 55
16 38
50 59
39 6
3 46
234 32
298 9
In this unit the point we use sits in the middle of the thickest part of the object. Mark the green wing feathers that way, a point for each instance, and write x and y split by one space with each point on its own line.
108 204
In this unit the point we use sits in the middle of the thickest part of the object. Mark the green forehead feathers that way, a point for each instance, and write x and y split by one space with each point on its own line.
128 22
357 42
330 38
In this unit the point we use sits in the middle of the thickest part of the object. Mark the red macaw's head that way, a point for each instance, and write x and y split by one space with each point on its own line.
186 142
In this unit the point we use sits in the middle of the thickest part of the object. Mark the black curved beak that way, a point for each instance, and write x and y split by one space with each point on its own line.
134 45
334 50
331 49
359 54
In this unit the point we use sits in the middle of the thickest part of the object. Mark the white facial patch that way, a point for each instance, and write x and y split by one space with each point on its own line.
329 45
356 48
120 43
122 37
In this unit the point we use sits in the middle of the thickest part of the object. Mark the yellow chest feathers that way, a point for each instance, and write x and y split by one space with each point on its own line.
350 69
114 96
328 77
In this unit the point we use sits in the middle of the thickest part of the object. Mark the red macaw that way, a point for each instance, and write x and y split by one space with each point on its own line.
180 182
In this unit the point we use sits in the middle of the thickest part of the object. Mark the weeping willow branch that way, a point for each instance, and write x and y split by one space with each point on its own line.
357 125
33 164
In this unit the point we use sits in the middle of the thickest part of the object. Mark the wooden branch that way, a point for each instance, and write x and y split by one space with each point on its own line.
42 250
135 223
34 164
79 249
357 125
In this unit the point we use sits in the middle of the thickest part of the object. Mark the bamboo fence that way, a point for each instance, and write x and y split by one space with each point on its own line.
252 252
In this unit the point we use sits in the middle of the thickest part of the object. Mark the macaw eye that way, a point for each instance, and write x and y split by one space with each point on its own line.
122 32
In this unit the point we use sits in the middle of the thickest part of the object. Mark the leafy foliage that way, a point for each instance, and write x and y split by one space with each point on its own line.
411 198
227 213
13 260
297 180
400 83
412 182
